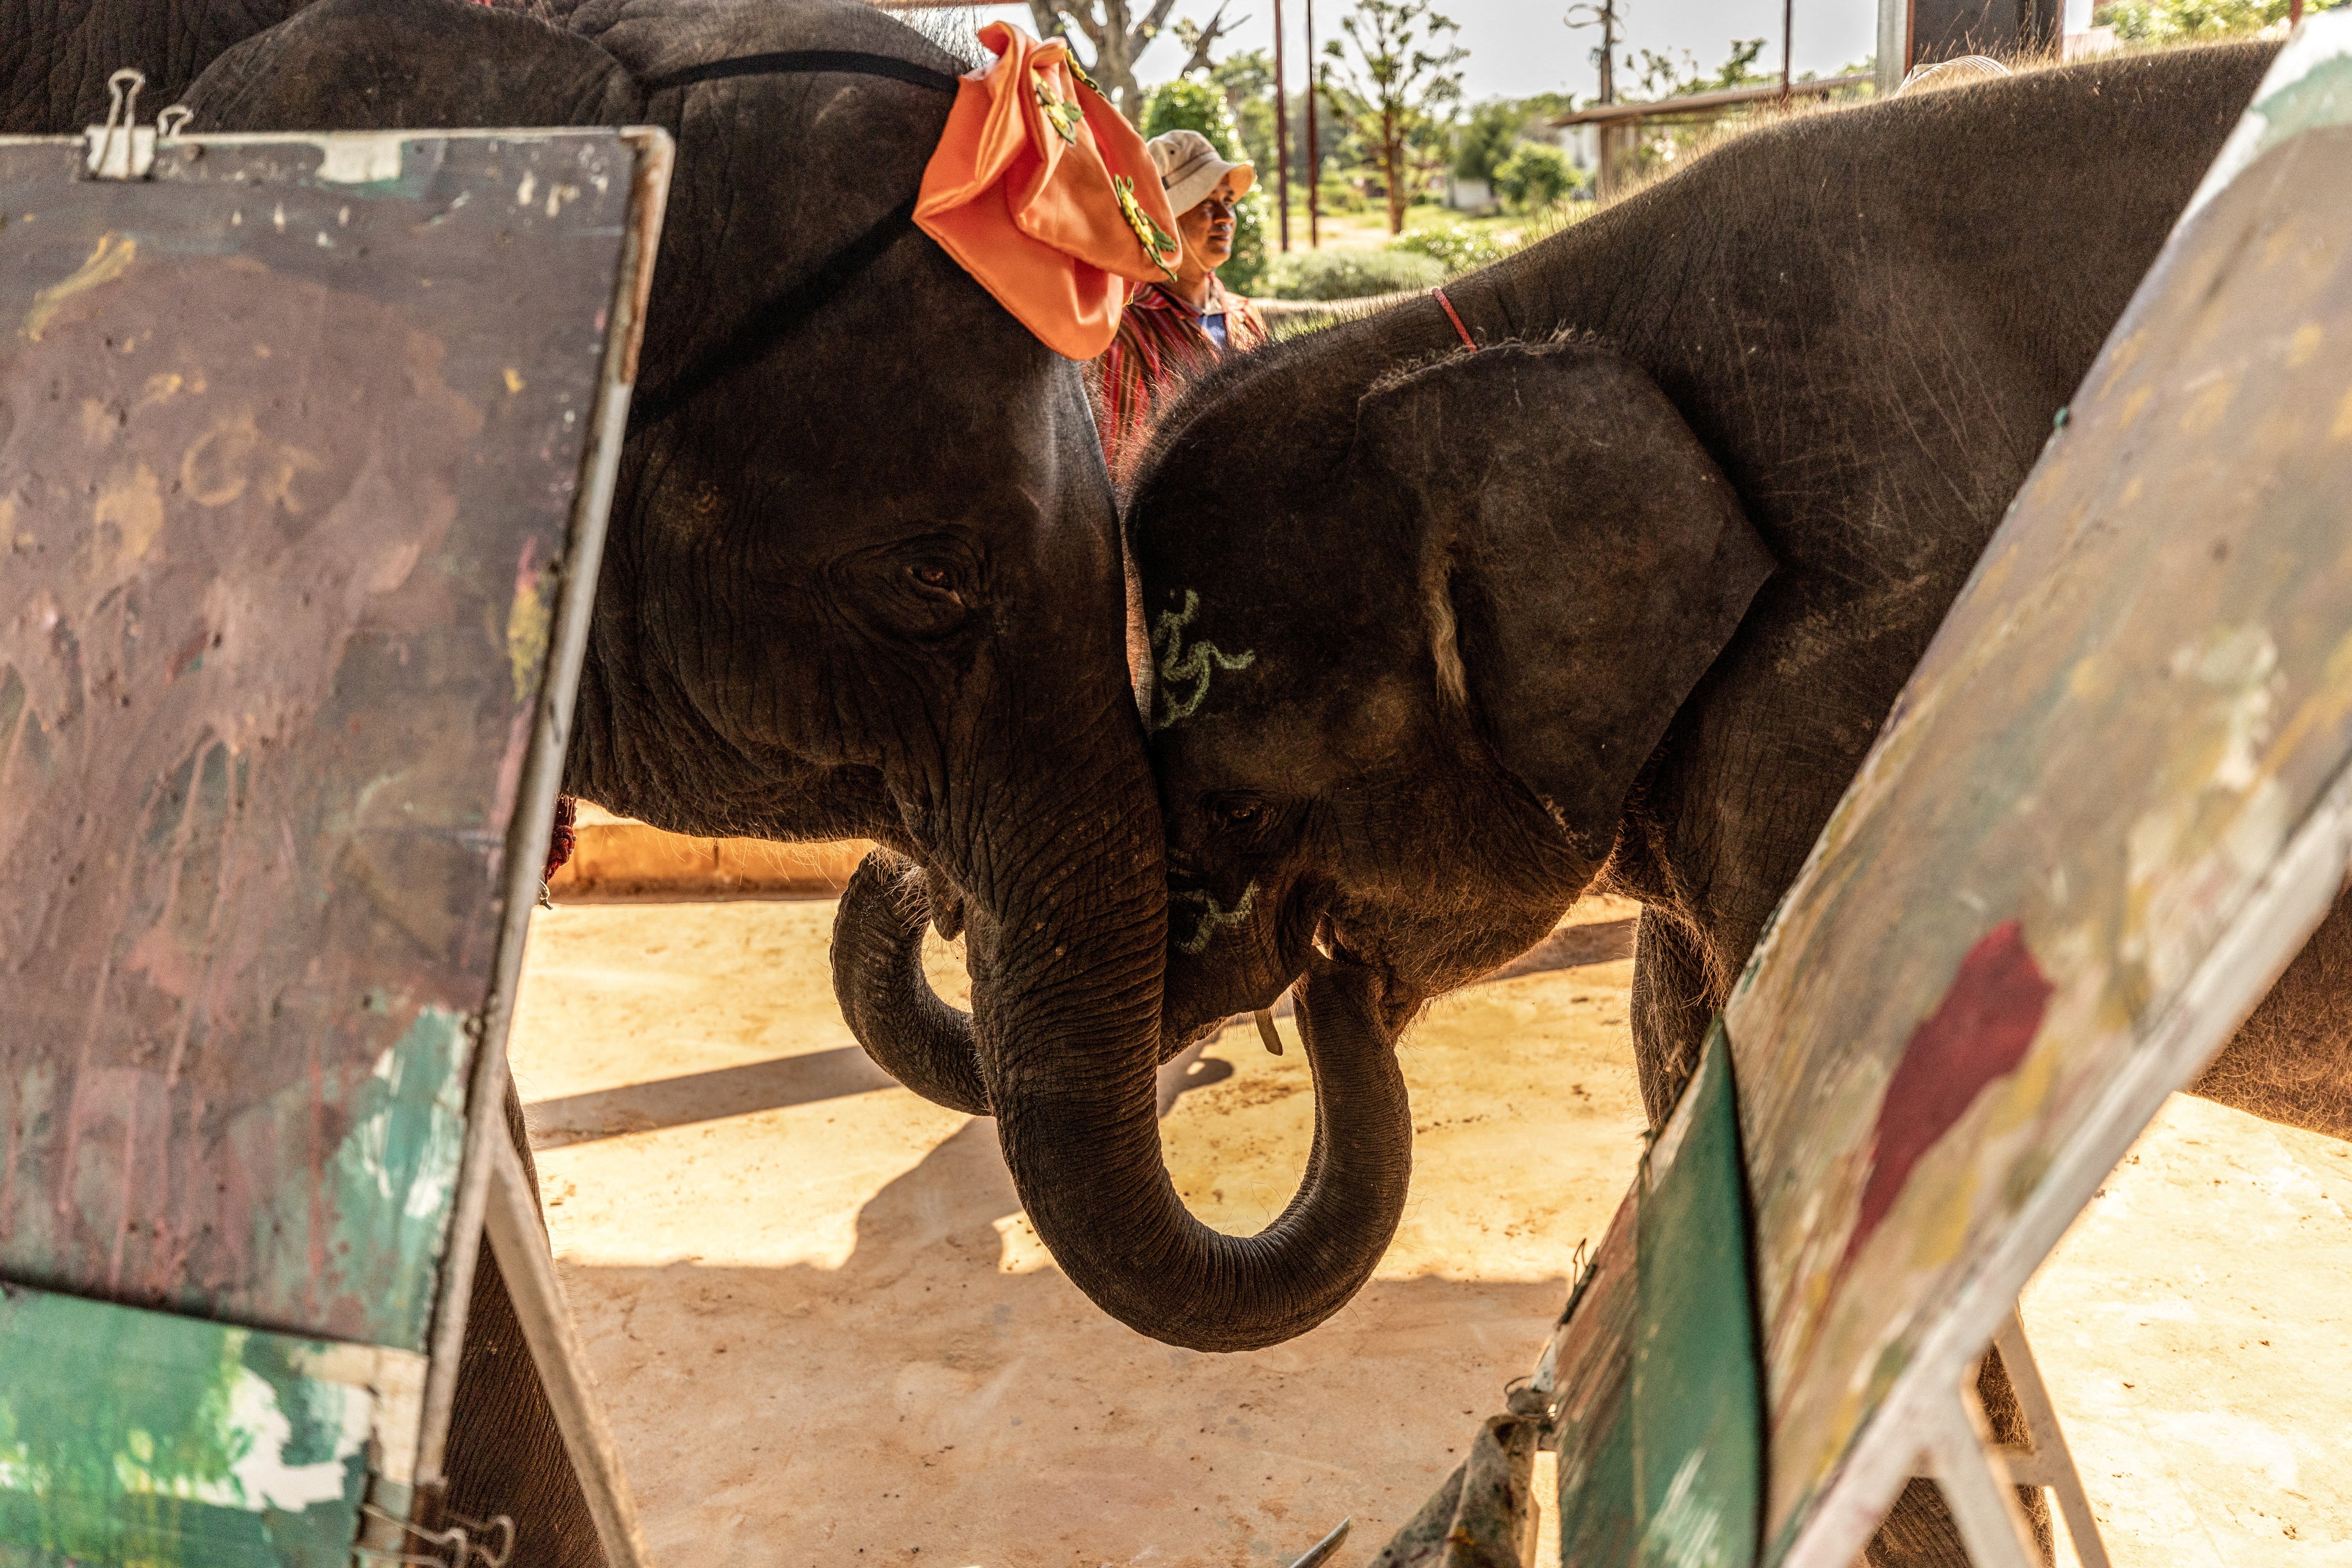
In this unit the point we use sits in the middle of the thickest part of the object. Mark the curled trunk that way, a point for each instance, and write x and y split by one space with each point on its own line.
877 974
1068 1070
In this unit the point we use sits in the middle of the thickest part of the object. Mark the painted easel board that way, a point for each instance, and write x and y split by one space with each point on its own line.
1650 1383
305 445
2110 806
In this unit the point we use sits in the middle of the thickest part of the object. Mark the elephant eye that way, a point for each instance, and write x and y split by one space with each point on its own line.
1239 812
936 581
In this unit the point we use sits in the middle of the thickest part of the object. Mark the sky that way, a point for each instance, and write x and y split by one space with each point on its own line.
1519 47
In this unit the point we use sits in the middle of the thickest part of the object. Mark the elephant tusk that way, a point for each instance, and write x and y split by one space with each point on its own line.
1268 1032
1320 1552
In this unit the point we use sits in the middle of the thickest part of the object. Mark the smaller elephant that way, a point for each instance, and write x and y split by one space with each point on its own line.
1620 600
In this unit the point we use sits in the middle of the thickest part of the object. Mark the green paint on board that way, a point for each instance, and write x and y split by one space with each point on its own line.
12 708
138 1437
2321 95
1698 1384
393 1178
1598 1518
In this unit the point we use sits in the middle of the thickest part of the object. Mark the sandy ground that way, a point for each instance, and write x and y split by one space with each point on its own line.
827 1336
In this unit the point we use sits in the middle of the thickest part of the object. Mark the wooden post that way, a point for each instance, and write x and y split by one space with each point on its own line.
1314 155
1282 132
1788 27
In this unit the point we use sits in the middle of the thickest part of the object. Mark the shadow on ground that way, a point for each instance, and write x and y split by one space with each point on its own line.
995 1417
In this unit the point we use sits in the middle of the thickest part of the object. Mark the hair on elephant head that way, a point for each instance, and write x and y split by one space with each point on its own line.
1543 561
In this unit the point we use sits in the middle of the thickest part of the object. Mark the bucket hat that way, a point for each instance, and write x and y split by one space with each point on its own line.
1190 168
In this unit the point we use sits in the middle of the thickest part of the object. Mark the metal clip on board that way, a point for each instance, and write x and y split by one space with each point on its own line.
123 149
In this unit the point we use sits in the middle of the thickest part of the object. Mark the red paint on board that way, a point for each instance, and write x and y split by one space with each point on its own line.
1979 1033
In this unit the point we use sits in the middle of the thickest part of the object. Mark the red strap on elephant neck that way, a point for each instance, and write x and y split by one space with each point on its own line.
1454 316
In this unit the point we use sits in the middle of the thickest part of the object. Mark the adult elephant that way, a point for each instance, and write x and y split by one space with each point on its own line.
864 578
1621 599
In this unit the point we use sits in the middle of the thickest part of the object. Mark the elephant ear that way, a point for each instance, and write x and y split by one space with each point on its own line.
1585 559
364 65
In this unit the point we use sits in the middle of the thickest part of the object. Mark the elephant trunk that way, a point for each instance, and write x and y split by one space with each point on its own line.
1089 1166
877 976
1063 1047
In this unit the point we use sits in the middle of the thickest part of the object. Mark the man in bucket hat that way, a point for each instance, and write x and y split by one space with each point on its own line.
1175 328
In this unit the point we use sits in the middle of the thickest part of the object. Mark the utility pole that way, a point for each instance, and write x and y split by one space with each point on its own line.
1314 153
1604 17
1788 23
1282 132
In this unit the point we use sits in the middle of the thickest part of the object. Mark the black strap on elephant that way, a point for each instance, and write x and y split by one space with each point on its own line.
805 299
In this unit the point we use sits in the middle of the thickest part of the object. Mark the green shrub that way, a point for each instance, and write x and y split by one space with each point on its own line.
1350 274
1486 139
1535 176
1187 105
1457 248
2194 21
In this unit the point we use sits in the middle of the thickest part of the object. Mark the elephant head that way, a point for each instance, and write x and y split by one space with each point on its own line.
864 578
1420 759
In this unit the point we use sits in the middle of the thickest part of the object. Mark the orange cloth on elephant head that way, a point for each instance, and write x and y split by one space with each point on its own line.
1025 192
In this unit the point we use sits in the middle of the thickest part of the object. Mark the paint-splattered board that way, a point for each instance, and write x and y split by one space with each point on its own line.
2110 805
305 447
1652 1381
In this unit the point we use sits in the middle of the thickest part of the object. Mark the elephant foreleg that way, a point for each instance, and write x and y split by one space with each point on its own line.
1670 1008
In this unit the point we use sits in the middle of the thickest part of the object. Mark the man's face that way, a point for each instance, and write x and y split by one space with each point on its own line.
1207 228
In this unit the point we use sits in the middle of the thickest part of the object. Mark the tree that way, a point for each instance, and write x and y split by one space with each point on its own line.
1658 76
2194 21
1247 82
1487 140
1119 40
1535 176
1183 105
1403 74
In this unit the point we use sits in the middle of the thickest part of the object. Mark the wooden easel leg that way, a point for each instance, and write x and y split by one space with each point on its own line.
2051 1463
1980 1477
529 1269
1969 1469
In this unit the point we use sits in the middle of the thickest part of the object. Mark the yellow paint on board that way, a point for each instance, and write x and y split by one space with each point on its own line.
110 260
529 621
2304 345
515 382
130 503
2204 411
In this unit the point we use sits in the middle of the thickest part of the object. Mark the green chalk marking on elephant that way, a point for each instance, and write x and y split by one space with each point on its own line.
1212 919
1178 664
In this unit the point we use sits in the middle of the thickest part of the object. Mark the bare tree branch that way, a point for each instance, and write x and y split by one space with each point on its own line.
1199 40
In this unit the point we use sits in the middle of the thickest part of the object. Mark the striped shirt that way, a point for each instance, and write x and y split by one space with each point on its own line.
1161 344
